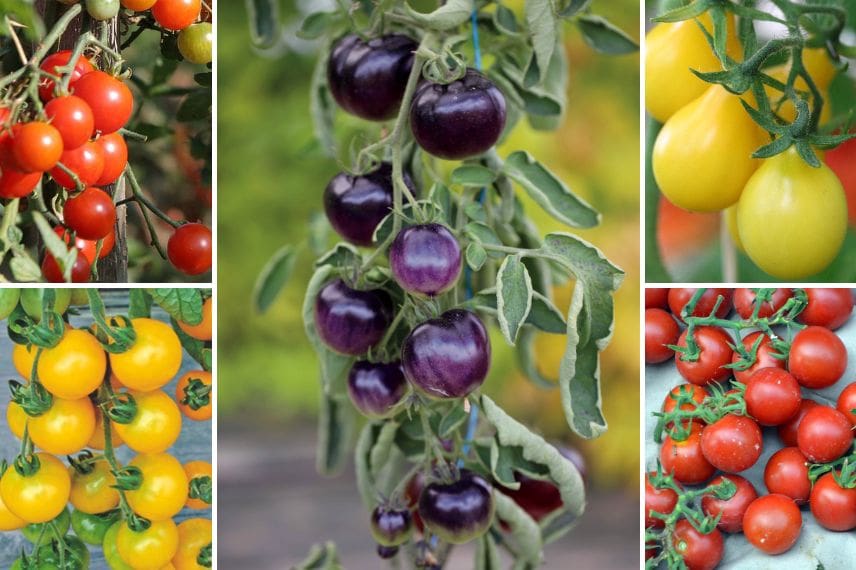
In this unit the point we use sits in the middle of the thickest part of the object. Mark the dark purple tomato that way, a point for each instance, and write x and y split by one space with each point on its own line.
447 357
459 120
355 205
425 259
391 527
386 552
368 78
457 512
351 321
376 387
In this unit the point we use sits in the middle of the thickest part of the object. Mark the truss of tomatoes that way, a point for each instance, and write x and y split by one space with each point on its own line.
787 389
79 401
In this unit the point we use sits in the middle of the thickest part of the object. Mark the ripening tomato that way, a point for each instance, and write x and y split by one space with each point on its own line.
772 524
791 217
196 43
152 361
732 444
23 357
75 367
197 408
91 213
833 506
661 330
138 5
842 161
193 536
730 510
189 248
679 297
824 434
685 460
151 548
176 14
788 430
65 427
772 396
702 157
202 330
827 307
110 99
73 118
786 473
97 441
61 59
699 551
36 146
744 302
38 497
847 403
87 163
672 51
93 492
52 272
163 492
763 356
197 470
115 153
714 354
155 426
817 358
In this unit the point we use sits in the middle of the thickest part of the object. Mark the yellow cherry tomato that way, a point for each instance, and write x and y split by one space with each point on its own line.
194 470
152 361
41 496
792 218
672 50
163 492
156 425
203 412
17 418
97 439
22 358
149 549
702 157
93 492
75 367
111 550
8 519
193 536
65 428
201 331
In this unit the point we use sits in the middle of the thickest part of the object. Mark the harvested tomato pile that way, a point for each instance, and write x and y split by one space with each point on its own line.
776 366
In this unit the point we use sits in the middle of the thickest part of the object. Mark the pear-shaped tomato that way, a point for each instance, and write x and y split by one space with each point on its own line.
791 217
702 157
672 50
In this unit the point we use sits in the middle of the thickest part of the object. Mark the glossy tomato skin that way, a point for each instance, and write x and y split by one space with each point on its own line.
163 492
425 259
73 118
78 356
151 548
111 550
715 353
661 329
101 10
189 248
368 78
824 434
138 5
786 474
92 528
763 356
847 403
679 297
458 512
196 43
65 428
792 218
86 161
351 321
9 520
111 101
732 444
731 510
391 527
788 430
156 425
93 493
661 501
39 497
827 307
447 357
833 507
152 361
79 271
193 535
36 146
91 213
685 460
62 522
671 401
744 302
15 183
657 298
772 524
61 59
772 396
376 388
115 153
176 14
456 121
817 358
699 551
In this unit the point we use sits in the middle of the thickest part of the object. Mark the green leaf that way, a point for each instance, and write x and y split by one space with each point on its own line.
505 20
476 256
362 464
343 255
684 12
573 8
22 12
336 422
264 23
321 557
604 37
24 269
528 360
379 454
448 16
475 212
273 277
140 305
483 234
525 534
195 107
64 255
183 305
473 175
543 316
548 191
505 461
543 32
384 228
316 25
514 296
452 421
322 107
590 322
440 196
487 555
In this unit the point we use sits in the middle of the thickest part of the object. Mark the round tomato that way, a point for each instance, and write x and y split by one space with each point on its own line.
824 434
680 297
110 99
97 441
657 298
193 536
17 419
847 403
772 396
151 548
8 519
833 507
138 5
744 302
200 408
763 356
36 146
671 401
23 357
197 470
731 510
93 492
91 213
732 444
38 497
163 492
72 117
791 217
111 550
75 367
65 427
685 460
61 59
699 551
101 10
201 331
31 301
52 272
189 249
91 529
661 330
714 354
33 531
817 358
115 152
827 307
772 524
786 474
87 163
788 430
156 425
842 161
196 43
176 14
152 361
13 182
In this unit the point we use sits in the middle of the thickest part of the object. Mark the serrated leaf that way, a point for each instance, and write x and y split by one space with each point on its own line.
450 15
473 175
514 296
543 31
548 191
590 323
336 421
605 37
476 256
316 25
184 305
273 277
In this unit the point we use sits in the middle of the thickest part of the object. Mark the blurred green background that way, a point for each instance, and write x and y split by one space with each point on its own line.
271 180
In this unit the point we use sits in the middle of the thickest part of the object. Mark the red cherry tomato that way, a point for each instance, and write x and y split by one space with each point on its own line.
833 506
732 444
110 99
14 183
189 248
715 353
827 307
824 434
685 459
671 401
786 474
847 403
678 299
788 430
91 213
772 396
699 551
744 302
61 59
73 118
661 330
36 146
772 524
657 298
763 356
176 14
79 271
115 157
731 509
818 358
86 161
661 501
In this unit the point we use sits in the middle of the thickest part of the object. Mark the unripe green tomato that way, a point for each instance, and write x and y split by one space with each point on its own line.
31 301
8 301
79 297
111 551
92 528
196 43
32 531
103 9
75 557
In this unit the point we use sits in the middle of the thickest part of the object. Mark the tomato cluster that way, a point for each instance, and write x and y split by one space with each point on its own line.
788 349
82 398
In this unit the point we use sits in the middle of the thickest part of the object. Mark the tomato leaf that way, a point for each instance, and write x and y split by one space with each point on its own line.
476 256
483 234
525 537
273 277
24 269
362 463
514 296
452 421
487 555
140 305
184 305
543 32
573 8
317 24
383 445
336 422
527 360
264 23
441 197
505 20
321 104
543 315
473 175
321 557
603 36
450 15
